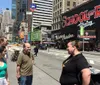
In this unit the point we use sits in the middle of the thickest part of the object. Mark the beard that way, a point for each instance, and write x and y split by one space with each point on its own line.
71 52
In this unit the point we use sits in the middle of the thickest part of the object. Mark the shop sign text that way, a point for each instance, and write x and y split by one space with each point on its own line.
81 17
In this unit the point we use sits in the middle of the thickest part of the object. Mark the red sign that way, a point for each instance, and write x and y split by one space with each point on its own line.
83 16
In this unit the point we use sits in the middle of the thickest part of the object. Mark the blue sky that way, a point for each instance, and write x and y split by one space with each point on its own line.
5 4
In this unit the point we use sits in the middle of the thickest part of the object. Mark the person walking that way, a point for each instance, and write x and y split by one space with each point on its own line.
3 67
4 42
25 66
73 65
35 50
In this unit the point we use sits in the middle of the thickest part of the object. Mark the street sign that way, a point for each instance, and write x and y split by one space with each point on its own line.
33 7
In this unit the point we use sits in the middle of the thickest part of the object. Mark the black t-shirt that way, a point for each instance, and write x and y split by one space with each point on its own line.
71 67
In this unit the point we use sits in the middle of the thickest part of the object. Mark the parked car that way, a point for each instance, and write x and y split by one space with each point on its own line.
43 46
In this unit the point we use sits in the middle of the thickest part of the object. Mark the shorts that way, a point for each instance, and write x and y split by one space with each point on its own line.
3 81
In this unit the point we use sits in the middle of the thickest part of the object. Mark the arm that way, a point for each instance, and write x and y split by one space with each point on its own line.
19 63
86 75
7 77
18 71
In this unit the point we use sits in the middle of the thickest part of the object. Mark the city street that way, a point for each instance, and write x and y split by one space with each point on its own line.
48 66
49 25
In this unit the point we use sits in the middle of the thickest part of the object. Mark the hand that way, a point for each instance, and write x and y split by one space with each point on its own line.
8 82
18 75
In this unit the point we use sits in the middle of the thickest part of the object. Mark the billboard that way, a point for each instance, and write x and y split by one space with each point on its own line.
86 15
36 35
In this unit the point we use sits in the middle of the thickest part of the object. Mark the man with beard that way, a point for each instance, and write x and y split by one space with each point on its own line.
25 66
73 65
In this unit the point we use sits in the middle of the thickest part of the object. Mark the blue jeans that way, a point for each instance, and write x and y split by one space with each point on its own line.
25 80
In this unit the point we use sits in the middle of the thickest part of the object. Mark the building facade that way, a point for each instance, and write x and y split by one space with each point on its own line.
6 24
13 9
6 16
6 20
43 13
81 1
57 10
0 24
21 8
61 6
42 19
78 19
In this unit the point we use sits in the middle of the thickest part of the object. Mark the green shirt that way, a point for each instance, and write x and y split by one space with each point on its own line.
3 70
26 64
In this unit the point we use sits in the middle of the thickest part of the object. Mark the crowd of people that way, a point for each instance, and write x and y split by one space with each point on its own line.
76 63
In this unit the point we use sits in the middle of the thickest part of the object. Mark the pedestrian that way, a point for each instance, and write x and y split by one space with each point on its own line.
3 67
4 42
36 50
73 65
25 66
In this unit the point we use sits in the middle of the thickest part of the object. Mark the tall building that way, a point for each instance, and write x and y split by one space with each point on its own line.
57 10
42 19
43 13
21 6
6 16
68 5
21 10
6 19
0 24
0 20
13 9
6 25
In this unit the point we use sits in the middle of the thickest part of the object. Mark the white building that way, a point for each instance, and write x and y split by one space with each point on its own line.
7 23
43 13
42 17
0 24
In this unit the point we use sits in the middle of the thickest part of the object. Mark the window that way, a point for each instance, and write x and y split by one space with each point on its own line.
54 2
74 4
68 3
68 9
60 4
53 8
60 11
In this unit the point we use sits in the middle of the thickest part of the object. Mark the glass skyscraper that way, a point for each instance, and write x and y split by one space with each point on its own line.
13 9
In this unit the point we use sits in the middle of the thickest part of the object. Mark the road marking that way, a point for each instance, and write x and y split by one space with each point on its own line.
91 62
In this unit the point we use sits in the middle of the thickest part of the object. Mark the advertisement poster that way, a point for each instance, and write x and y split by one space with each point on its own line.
36 35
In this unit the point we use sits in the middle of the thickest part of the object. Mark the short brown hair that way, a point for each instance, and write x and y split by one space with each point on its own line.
76 44
1 40
24 45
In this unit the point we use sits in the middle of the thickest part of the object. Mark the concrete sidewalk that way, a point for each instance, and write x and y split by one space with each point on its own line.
41 78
